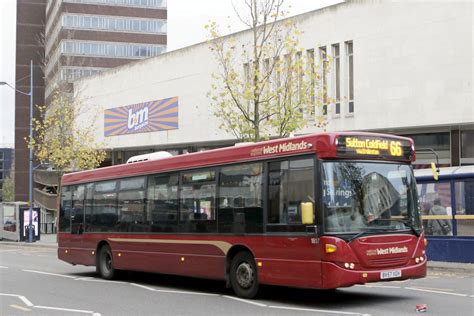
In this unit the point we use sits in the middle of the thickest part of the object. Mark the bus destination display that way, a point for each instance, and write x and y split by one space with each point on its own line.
351 146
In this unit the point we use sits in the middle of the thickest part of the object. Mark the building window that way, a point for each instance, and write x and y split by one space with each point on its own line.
467 147
350 67
324 73
310 56
337 78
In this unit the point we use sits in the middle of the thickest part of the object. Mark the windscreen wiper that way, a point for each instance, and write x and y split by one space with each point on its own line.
410 225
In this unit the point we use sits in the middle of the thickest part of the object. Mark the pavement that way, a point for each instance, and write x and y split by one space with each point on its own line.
50 241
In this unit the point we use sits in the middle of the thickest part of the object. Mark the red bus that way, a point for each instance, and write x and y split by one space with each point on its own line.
318 211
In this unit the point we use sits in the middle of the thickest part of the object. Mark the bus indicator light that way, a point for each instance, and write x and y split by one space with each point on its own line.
182 258
93 252
259 264
330 248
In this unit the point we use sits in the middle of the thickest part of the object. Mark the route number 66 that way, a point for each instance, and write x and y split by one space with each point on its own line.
395 148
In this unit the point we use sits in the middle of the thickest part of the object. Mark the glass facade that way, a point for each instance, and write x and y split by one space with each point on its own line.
131 3
115 24
110 49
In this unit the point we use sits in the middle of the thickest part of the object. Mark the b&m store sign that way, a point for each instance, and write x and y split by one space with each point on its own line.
152 116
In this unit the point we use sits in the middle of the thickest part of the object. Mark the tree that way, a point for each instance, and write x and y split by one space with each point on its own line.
8 189
267 86
59 141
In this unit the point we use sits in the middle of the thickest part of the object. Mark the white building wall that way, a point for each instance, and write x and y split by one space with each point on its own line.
413 67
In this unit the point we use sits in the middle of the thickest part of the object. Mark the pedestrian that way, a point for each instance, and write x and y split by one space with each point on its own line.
439 227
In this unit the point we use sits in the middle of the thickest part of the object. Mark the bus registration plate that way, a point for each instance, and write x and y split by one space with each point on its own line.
390 274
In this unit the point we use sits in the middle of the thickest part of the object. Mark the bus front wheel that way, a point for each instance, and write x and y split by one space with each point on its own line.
243 275
105 263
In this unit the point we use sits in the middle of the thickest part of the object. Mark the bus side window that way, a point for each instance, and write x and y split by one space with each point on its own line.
77 215
290 183
240 199
65 210
198 201
162 206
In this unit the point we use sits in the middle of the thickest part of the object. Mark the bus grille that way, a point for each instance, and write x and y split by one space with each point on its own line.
387 262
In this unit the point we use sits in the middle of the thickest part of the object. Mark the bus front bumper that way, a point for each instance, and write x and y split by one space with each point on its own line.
335 276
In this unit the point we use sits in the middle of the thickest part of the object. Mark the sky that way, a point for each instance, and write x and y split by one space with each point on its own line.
186 20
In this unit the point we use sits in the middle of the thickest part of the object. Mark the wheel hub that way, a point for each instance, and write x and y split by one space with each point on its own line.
245 275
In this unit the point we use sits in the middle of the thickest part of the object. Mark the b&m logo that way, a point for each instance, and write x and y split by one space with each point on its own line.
152 116
138 119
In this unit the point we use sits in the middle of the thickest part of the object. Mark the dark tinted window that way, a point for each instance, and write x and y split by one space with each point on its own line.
198 202
65 210
240 199
162 212
131 205
104 213
77 214
290 182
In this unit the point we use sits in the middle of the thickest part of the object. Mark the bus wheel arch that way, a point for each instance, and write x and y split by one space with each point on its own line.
242 272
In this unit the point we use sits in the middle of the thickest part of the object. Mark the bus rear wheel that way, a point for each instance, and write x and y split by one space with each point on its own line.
105 264
243 275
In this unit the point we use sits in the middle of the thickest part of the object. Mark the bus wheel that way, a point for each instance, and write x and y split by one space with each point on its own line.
243 275
105 264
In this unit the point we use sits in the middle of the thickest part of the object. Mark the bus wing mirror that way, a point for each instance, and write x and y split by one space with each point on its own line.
435 171
307 213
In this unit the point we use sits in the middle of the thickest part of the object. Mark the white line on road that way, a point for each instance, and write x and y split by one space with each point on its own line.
382 286
244 301
99 280
2 267
432 291
53 274
22 298
143 287
316 310
186 292
67 309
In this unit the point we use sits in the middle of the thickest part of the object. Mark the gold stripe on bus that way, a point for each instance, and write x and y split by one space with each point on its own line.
428 217
222 245
464 216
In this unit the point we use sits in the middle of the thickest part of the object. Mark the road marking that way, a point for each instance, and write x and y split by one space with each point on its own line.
2 267
67 310
22 298
433 288
53 274
20 308
186 292
316 310
432 291
383 286
244 301
89 279
143 287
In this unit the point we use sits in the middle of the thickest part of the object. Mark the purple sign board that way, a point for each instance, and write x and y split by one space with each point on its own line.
151 116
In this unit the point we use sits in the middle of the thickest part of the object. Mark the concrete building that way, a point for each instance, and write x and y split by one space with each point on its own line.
85 37
29 28
404 68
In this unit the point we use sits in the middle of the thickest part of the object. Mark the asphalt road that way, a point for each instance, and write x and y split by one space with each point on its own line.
34 282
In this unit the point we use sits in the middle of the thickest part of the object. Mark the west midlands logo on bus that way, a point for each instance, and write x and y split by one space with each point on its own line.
137 119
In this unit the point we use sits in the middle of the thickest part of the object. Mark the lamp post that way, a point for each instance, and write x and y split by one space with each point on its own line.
30 167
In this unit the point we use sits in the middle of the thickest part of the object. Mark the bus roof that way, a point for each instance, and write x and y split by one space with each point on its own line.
324 144
446 173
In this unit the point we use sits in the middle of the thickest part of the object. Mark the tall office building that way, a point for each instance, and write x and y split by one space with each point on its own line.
29 28
67 40
84 37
